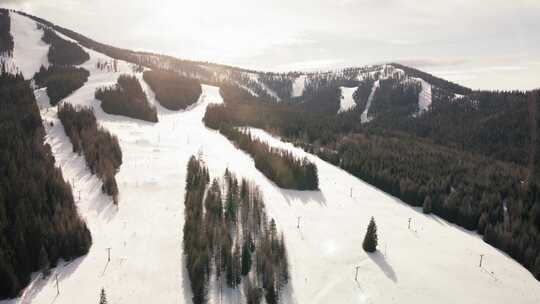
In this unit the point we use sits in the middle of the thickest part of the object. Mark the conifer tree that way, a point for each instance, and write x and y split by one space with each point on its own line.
102 297
246 258
370 240
427 207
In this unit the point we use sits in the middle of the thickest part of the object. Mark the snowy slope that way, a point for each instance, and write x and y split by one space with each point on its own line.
299 84
432 262
29 51
255 77
346 101
424 99
364 117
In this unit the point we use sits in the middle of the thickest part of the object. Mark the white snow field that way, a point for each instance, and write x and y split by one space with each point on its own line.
364 117
346 101
433 262
29 51
424 99
299 85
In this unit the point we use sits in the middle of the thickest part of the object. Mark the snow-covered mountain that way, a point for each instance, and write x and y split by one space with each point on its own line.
428 261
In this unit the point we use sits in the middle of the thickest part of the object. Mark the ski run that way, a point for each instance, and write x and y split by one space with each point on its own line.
432 261
346 102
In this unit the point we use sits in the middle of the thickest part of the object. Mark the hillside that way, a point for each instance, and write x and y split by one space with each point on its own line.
137 253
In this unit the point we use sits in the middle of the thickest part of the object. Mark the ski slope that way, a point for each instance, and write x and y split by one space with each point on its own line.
299 85
29 51
346 101
365 115
434 261
424 98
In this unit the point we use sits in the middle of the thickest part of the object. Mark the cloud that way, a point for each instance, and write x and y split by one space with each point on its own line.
314 34
308 65
433 62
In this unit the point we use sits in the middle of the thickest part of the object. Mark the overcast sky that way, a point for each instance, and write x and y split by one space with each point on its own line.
488 44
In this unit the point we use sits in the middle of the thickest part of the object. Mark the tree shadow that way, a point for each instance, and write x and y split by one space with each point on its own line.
64 269
305 197
287 294
105 268
186 284
380 261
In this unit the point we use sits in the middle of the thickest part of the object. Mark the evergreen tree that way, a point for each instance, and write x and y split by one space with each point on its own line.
246 258
370 240
427 207
102 297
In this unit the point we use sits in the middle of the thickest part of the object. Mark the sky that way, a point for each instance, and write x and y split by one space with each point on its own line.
483 44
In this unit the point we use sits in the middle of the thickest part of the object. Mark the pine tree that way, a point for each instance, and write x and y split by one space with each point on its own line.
427 207
246 258
370 240
102 297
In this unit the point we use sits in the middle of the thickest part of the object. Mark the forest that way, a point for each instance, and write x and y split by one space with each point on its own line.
394 99
361 95
126 98
6 40
228 237
101 149
436 81
494 124
173 91
61 81
278 165
62 52
39 223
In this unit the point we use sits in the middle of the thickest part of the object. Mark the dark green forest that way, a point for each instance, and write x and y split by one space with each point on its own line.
61 81
227 233
61 51
126 98
173 91
6 41
39 223
101 149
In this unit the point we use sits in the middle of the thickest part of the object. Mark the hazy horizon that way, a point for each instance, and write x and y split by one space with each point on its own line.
481 45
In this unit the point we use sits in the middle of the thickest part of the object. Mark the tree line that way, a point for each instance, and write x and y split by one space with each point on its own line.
100 148
278 165
228 237
61 51
39 223
127 98
6 40
61 81
173 91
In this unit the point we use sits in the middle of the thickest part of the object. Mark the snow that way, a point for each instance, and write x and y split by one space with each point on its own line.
299 84
346 100
364 117
434 260
29 51
424 98
255 77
